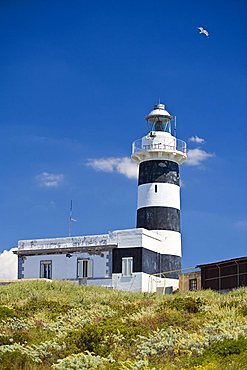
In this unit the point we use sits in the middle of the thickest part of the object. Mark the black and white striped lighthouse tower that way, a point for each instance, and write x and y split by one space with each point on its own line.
159 155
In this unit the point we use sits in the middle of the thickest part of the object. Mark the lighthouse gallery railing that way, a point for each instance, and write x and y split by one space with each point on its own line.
138 146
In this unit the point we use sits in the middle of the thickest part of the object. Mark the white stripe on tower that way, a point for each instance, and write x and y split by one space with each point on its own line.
158 194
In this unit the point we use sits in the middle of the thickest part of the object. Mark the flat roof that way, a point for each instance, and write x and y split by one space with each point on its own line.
223 262
95 249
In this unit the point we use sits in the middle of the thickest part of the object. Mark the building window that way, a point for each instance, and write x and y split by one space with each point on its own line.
45 269
192 284
155 188
84 268
127 266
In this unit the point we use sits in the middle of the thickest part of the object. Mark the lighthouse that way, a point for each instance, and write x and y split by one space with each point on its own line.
159 155
145 258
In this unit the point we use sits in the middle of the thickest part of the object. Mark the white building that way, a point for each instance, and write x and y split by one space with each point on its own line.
147 258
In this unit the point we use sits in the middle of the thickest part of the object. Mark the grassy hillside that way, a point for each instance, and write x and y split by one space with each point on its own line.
60 326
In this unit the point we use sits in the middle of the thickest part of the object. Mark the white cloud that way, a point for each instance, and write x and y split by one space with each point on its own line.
49 180
196 139
8 264
128 168
124 166
196 156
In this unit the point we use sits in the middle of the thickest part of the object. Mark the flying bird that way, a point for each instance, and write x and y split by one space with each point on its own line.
205 32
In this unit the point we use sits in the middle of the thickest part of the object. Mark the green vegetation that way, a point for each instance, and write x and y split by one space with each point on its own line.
59 326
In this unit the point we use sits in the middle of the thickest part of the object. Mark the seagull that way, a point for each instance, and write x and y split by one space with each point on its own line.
205 32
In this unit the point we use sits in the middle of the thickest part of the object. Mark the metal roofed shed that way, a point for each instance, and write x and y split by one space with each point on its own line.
224 275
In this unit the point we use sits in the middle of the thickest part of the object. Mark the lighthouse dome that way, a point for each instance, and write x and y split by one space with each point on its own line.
158 114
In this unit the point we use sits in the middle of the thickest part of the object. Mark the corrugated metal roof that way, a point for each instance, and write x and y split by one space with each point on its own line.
223 262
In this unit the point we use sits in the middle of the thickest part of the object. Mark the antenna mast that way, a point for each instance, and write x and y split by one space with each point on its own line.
71 219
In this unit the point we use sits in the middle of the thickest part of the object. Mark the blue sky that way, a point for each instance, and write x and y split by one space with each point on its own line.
76 81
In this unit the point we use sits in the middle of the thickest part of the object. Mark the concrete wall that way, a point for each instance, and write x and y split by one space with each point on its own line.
66 268
139 281
171 242
128 238
133 282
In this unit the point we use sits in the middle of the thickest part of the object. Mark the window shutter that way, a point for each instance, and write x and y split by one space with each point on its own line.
90 268
127 266
130 266
80 268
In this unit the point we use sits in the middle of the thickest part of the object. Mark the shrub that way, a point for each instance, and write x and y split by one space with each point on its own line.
82 361
21 337
4 339
166 317
243 310
189 304
89 361
52 308
92 337
156 343
16 361
6 313
228 354
44 352
227 347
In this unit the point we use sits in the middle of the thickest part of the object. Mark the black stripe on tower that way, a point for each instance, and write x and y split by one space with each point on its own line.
158 218
159 171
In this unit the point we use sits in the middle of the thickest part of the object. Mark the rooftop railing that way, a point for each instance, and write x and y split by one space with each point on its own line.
177 146
76 241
